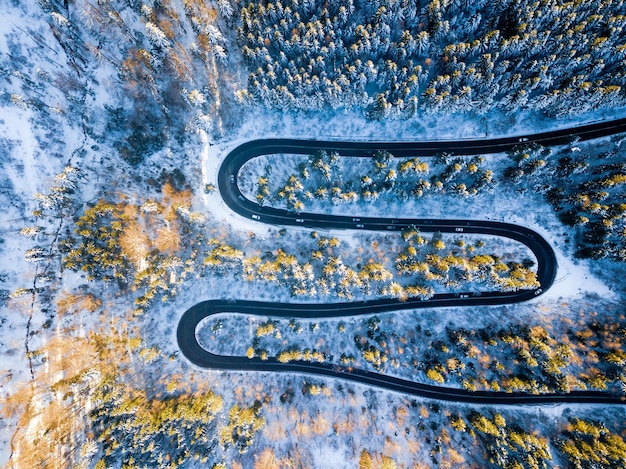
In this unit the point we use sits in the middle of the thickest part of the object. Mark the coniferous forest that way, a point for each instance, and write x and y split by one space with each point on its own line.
116 120
400 57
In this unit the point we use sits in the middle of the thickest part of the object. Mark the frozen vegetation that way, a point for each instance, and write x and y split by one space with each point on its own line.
548 355
114 117
397 58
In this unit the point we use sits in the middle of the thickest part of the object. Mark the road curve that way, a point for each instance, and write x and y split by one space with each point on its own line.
201 357
546 262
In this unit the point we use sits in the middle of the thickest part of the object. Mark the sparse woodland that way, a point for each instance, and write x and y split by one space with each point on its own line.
583 181
113 94
539 358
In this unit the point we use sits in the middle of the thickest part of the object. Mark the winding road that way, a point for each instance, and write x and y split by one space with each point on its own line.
546 262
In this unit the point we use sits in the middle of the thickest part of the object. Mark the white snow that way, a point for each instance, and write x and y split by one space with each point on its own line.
28 166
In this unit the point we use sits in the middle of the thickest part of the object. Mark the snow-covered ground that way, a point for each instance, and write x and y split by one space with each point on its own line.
39 137
574 276
575 280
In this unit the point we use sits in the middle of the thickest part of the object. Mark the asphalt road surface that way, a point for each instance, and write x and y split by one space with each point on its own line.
546 263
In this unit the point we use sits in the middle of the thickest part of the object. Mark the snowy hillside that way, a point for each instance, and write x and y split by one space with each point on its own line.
115 116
